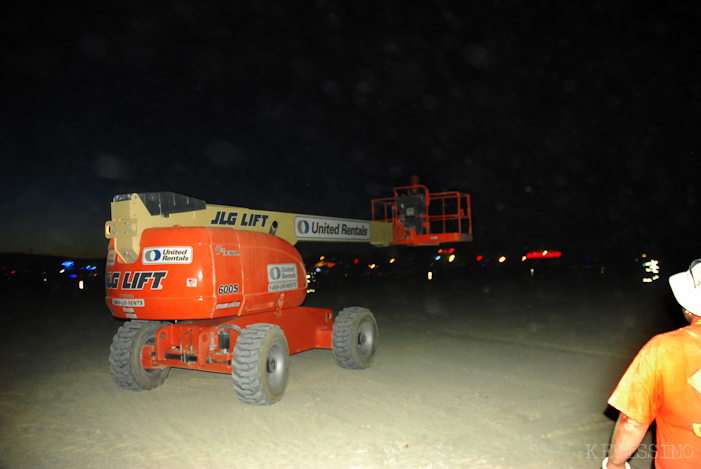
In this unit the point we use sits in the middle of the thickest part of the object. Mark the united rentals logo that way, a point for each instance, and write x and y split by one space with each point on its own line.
167 255
302 227
282 277
331 228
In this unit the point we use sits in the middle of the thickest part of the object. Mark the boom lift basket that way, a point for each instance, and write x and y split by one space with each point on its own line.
421 218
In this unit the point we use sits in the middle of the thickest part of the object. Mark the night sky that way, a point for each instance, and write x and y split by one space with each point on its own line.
574 125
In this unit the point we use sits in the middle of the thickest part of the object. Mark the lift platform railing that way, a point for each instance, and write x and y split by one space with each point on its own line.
423 218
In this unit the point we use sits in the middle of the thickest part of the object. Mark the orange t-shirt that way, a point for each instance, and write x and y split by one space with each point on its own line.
664 384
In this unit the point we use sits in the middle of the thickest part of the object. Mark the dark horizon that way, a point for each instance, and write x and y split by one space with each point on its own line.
570 125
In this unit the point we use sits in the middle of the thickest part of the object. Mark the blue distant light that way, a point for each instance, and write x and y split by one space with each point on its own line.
73 276
68 264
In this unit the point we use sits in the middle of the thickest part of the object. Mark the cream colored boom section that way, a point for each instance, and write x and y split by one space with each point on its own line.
130 217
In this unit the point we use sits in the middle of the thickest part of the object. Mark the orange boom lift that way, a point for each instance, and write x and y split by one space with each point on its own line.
218 288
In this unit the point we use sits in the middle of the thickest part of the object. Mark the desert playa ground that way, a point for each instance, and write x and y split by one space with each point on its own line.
474 372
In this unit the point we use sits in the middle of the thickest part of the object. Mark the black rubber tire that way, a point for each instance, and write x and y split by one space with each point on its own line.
261 364
354 338
125 356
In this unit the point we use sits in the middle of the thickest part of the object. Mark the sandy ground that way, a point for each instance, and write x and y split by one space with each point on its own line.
469 373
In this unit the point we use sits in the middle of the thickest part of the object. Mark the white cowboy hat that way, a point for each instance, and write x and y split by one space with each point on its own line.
686 287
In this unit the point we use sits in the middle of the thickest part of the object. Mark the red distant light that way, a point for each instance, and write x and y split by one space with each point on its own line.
355 261
543 255
451 250
479 258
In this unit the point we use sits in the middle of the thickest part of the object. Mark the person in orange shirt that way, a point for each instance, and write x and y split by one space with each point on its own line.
663 384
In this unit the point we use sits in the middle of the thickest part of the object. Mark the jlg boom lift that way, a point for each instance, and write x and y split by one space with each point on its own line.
217 288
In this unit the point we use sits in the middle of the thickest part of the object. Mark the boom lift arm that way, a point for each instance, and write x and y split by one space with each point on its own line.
134 213
413 216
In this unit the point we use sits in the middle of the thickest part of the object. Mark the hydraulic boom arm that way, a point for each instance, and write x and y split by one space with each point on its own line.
133 213
412 217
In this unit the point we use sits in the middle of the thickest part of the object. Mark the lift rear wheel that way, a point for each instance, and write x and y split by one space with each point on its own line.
260 364
125 356
354 338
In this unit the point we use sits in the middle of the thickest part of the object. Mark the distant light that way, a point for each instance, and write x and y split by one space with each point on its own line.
322 258
430 275
355 261
451 250
68 264
479 258
392 260
523 258
543 255
438 258
73 276
372 266
502 259
81 285
318 269
451 258
652 266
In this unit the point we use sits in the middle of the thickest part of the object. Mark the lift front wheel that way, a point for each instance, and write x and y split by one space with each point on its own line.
125 356
260 364
354 338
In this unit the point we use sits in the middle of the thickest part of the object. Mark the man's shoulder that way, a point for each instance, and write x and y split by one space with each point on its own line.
674 338
692 329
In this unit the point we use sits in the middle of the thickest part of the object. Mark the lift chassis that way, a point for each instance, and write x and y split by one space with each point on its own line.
221 289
